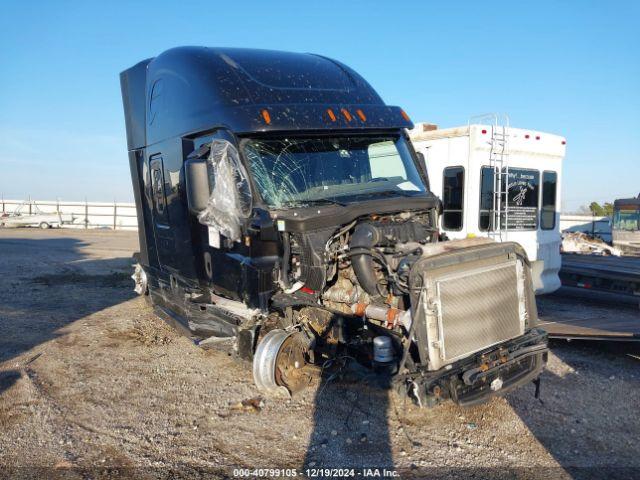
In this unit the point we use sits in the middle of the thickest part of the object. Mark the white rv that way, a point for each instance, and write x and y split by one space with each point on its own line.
500 182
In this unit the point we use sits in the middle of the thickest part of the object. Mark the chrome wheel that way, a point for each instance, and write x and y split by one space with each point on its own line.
278 364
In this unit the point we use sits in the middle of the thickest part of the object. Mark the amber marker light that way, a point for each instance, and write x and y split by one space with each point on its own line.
361 114
332 115
346 114
405 116
266 117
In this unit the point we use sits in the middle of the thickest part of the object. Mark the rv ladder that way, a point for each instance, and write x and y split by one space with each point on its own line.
499 164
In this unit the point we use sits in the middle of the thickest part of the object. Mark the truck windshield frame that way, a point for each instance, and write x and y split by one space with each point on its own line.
298 171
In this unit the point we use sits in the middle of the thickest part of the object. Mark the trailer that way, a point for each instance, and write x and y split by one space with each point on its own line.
499 182
29 214
611 277
584 315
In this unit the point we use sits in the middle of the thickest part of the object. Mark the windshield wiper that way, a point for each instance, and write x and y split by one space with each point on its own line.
386 193
315 201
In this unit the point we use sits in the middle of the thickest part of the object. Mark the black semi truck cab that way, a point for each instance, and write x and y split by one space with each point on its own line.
626 225
280 204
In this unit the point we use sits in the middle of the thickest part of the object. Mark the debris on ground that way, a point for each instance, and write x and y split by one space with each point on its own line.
578 242
254 404
117 387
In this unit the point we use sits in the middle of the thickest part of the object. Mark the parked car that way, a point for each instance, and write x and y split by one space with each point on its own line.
21 217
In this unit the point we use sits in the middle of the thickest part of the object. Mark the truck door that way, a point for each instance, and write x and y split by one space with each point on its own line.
161 224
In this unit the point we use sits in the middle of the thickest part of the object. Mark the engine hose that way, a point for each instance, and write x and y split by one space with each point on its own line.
365 237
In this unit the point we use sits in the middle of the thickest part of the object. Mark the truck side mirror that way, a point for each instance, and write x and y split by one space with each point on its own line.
197 184
219 190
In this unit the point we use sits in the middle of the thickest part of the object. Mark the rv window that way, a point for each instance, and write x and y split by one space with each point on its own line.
452 198
522 209
524 194
486 197
548 212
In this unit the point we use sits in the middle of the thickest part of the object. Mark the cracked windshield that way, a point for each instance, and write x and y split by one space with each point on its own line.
295 172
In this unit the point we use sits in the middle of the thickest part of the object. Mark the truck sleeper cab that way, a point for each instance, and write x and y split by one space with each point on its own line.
280 203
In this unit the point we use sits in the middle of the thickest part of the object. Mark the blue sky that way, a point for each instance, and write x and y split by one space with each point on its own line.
571 68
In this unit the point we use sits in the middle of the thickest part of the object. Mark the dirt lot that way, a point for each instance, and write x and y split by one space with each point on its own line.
92 384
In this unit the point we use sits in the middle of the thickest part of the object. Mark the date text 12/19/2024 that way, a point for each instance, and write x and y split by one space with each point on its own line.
315 473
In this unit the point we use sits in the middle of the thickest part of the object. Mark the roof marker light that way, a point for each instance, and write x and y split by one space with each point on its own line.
484 132
564 142
361 115
346 114
332 115
266 117
404 115
537 137
527 136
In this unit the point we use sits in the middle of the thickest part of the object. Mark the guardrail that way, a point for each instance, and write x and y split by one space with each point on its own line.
122 216
116 215
592 225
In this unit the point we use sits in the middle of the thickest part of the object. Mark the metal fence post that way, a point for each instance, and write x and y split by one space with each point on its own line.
115 214
86 213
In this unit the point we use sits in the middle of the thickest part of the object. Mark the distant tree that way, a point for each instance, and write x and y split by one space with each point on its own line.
596 209
608 209
601 211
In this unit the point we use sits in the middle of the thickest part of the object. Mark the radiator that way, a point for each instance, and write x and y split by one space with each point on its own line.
477 309
469 295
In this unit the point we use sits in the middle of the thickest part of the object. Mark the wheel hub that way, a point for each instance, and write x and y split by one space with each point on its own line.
279 361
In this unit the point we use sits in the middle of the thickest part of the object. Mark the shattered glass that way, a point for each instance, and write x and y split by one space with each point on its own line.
302 171
230 200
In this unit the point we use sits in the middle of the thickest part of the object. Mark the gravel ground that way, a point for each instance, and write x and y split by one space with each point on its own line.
93 384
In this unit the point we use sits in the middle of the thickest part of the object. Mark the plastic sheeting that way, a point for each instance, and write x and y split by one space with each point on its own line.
230 191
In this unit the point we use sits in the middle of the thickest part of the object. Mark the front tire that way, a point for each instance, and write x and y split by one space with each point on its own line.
44 225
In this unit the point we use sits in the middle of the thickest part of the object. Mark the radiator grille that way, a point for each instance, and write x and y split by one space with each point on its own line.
478 309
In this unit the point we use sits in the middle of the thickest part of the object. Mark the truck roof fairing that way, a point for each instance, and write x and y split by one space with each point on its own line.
192 89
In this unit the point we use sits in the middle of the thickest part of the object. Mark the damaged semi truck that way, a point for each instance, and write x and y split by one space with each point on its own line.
281 205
